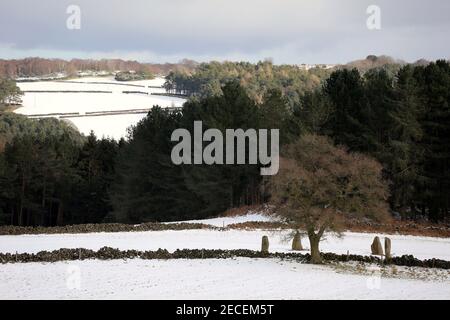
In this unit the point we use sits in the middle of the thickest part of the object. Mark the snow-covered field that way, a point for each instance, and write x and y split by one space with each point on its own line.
240 278
225 221
108 126
355 243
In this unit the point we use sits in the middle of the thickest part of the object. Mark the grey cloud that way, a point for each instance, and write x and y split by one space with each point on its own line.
291 31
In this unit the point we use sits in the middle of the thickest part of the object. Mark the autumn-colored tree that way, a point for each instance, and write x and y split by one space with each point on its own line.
319 185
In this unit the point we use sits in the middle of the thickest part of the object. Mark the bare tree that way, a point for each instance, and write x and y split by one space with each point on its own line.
319 185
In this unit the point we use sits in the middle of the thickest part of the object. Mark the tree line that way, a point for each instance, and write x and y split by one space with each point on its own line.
403 121
34 67
50 174
257 79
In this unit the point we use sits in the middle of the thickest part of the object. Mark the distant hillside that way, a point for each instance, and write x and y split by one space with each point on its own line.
258 79
54 68
38 67
386 62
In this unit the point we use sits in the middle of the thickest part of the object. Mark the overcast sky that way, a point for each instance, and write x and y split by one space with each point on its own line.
288 31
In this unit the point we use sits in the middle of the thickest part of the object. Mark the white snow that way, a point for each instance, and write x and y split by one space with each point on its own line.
241 278
225 221
103 126
355 243
112 126
156 82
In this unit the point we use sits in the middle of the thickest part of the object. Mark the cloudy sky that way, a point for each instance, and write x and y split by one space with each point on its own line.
288 31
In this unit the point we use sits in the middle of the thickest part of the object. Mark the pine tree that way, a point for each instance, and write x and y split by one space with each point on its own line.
434 82
404 156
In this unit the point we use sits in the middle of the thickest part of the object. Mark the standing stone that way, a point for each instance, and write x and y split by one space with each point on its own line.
265 244
387 247
297 242
376 247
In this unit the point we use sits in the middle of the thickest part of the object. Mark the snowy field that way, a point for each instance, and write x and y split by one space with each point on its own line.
225 221
240 278
355 243
103 126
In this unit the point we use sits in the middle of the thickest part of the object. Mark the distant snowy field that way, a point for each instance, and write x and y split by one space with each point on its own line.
240 278
225 221
104 126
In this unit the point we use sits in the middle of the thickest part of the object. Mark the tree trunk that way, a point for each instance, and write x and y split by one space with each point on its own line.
28 217
44 192
231 196
60 216
22 196
50 218
12 215
315 252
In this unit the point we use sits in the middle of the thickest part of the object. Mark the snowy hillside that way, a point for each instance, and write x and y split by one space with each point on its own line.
114 126
225 221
